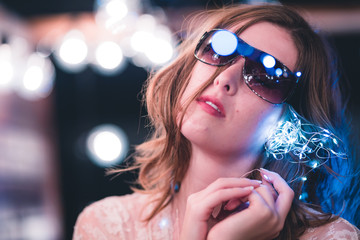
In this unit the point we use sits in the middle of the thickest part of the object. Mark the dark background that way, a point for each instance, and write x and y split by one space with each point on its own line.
87 99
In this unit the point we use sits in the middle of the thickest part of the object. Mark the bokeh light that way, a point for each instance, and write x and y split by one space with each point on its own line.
116 15
141 41
160 51
268 61
6 67
224 42
116 9
278 72
72 51
109 55
33 78
154 48
107 145
38 78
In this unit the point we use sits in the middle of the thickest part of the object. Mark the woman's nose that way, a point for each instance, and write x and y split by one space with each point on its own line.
229 80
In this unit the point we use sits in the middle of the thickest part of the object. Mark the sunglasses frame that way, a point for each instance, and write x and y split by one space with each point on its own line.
254 56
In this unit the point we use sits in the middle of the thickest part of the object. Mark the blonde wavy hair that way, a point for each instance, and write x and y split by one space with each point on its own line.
164 158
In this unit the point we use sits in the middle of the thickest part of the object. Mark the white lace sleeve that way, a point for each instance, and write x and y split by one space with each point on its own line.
105 219
121 218
337 230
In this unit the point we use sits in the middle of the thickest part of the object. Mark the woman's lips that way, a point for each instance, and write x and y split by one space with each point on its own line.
211 105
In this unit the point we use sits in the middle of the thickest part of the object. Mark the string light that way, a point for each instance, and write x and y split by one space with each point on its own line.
293 134
303 196
303 178
306 143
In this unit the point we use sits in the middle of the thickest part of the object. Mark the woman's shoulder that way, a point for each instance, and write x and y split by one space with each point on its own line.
339 229
116 203
109 217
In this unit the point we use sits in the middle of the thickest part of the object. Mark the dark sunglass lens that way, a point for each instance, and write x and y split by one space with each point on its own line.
273 88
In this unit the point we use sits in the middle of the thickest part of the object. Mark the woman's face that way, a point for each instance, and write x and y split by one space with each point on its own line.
228 118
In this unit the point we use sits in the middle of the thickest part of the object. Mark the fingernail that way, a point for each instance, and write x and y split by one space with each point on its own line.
249 188
216 211
258 181
266 177
232 204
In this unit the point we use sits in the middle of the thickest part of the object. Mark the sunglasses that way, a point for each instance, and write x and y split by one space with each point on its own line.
265 75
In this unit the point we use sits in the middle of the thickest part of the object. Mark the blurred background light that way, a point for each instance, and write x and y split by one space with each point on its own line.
6 67
154 44
146 22
107 145
116 9
37 227
33 78
109 57
72 51
103 92
7 72
160 51
38 78
141 41
116 15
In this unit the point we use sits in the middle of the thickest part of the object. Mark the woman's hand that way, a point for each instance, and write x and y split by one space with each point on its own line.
269 205
200 205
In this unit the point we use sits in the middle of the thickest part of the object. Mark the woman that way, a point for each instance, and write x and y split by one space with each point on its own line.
202 173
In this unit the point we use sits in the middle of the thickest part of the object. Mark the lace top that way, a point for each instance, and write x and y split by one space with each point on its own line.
121 218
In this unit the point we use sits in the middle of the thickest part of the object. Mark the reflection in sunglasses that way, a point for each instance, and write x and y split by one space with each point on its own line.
265 75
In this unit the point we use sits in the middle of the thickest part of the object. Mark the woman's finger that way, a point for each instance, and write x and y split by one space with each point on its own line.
267 182
286 194
224 195
223 183
266 193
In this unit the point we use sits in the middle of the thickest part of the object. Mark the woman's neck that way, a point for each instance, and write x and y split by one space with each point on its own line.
205 168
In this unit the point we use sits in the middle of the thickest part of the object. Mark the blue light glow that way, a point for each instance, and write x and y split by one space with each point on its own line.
278 72
314 164
298 74
268 61
303 196
224 42
311 144
164 223
244 49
